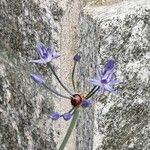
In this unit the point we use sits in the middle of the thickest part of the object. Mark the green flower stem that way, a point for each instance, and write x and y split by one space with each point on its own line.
50 66
55 92
73 72
70 129
92 93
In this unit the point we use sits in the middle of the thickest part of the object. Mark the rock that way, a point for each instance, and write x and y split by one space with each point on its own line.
25 106
121 121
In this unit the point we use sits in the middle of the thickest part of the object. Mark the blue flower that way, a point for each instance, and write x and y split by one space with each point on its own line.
45 54
54 116
104 80
37 78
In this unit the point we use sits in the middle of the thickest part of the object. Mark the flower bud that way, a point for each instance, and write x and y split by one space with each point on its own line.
109 65
77 57
37 78
85 103
66 116
54 116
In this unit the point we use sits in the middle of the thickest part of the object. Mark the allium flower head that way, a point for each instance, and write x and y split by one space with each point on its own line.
45 54
77 101
105 80
37 78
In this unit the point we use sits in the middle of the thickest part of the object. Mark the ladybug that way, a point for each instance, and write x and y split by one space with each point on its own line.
76 100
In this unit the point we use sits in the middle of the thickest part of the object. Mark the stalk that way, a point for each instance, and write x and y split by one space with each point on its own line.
70 129
55 92
73 72
92 93
49 65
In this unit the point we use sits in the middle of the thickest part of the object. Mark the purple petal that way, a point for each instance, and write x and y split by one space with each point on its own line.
98 73
55 55
85 103
109 78
101 90
66 116
42 50
37 78
95 82
49 50
109 88
77 57
108 75
54 116
52 54
114 82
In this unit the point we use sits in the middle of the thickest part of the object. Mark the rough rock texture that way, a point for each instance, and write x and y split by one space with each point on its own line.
24 106
122 121
114 122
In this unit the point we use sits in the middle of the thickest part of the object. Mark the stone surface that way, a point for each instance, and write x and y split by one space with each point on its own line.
25 107
122 121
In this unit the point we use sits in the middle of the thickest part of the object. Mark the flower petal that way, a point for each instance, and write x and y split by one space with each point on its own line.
42 50
114 82
101 89
49 50
55 55
108 75
52 54
95 82
109 88
98 73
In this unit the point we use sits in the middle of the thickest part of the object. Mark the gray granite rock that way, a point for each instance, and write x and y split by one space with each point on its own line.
24 106
121 121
